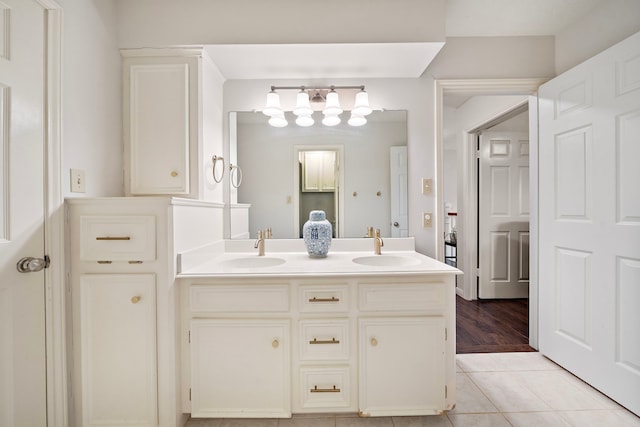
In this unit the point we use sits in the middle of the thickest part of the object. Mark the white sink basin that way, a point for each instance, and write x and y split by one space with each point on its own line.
386 261
254 262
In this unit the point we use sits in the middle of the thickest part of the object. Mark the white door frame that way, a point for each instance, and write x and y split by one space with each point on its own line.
465 250
55 303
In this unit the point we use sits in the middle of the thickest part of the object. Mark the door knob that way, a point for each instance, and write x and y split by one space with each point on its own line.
396 224
30 264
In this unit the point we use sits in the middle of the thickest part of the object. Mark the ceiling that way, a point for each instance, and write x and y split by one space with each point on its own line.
464 18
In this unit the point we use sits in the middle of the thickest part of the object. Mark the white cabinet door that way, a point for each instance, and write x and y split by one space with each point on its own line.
319 171
240 368
401 366
118 350
160 120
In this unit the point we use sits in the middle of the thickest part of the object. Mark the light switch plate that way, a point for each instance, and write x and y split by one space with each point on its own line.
427 185
77 181
427 219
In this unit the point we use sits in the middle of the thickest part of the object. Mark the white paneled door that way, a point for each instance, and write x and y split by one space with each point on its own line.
503 202
398 181
589 278
22 295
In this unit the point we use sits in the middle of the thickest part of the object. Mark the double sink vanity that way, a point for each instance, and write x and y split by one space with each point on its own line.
169 324
283 333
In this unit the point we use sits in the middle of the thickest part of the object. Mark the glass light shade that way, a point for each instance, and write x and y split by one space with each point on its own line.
361 106
332 105
356 120
303 108
272 108
278 121
305 120
331 120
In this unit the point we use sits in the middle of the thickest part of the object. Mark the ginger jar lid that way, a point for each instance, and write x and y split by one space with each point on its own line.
317 216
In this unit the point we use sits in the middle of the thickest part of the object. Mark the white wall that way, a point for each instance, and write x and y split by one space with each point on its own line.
91 106
607 24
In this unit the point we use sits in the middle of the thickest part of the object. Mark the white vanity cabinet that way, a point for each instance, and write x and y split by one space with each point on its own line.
124 307
167 150
238 336
117 258
377 345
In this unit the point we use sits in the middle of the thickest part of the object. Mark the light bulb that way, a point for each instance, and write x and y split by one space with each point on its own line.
331 120
278 121
332 106
303 108
361 106
305 120
272 108
356 120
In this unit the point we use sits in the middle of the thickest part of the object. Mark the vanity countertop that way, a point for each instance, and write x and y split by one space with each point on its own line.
351 257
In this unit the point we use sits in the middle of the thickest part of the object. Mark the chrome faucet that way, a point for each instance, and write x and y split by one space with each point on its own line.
377 242
260 243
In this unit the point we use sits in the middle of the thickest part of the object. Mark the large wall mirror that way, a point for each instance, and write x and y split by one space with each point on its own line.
357 175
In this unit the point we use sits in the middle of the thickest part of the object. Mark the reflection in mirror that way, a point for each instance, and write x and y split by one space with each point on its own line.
358 175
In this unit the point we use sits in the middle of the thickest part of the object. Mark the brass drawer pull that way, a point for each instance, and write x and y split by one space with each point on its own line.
332 299
105 262
315 389
333 341
136 299
135 262
113 238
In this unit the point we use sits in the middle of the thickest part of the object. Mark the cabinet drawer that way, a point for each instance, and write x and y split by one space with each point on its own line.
324 299
325 387
324 339
404 296
238 298
118 238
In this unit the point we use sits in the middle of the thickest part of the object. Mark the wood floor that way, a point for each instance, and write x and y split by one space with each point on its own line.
492 326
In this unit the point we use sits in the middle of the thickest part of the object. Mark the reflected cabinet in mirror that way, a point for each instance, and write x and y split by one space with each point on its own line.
357 175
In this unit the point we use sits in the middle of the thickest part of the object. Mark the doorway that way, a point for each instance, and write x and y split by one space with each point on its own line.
318 183
466 222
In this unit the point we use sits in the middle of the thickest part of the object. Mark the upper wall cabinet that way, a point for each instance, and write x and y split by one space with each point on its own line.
166 150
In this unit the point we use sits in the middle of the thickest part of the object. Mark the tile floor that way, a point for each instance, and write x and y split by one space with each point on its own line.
493 390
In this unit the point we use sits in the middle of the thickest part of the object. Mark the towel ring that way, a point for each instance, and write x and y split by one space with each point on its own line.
215 159
238 175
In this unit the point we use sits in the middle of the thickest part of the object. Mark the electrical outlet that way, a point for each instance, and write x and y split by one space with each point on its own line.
427 219
77 181
427 186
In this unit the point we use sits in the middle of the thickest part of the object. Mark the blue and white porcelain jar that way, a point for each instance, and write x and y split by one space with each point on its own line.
316 234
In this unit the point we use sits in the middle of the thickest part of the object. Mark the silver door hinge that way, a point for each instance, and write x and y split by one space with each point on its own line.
445 391
189 393
189 337
445 334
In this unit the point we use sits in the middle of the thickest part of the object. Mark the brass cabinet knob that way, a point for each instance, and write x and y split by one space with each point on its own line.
275 343
136 299
174 174
374 342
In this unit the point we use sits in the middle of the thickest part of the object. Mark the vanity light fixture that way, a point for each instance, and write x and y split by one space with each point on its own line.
307 98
